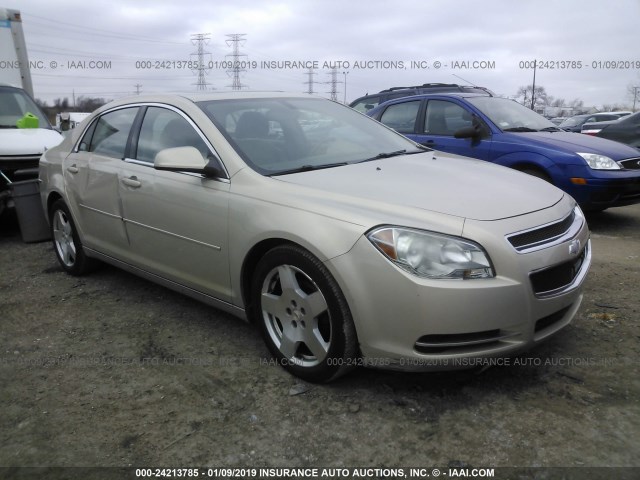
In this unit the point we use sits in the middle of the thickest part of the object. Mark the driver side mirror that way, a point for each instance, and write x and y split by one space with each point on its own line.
187 159
476 131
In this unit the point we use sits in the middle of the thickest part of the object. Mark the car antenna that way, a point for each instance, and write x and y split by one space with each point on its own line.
470 83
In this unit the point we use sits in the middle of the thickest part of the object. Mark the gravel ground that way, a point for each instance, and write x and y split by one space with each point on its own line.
111 370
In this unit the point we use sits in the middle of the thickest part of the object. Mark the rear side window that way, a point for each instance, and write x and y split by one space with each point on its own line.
401 116
110 134
367 104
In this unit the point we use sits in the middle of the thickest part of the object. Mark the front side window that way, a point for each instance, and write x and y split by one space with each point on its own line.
401 116
163 128
111 133
445 118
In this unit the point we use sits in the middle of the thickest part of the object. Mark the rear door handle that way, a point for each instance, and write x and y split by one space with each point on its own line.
131 182
72 169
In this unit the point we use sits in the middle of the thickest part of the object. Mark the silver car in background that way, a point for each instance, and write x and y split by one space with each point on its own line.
344 242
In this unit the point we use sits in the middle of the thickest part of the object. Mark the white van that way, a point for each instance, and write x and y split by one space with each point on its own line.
25 132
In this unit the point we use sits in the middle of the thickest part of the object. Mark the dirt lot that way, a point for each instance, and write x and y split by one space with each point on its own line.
75 390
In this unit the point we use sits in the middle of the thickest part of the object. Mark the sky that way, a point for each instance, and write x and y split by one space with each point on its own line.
584 49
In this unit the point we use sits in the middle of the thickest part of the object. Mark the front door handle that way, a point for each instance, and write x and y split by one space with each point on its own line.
132 182
72 169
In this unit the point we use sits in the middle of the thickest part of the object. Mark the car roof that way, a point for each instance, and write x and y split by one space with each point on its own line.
195 97
441 94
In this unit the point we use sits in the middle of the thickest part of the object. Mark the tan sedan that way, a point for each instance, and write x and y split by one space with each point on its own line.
344 242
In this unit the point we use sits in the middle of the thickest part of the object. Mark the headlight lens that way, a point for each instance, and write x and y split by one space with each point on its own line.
432 255
599 162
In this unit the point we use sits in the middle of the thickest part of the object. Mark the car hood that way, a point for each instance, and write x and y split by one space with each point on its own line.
27 141
572 143
436 182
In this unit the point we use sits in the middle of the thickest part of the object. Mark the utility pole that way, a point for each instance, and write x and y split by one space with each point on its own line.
533 89
236 40
334 84
200 40
310 81
138 86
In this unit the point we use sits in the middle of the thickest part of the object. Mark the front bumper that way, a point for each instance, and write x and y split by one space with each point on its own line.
417 324
604 189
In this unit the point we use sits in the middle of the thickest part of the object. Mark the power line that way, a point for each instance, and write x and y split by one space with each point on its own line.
92 31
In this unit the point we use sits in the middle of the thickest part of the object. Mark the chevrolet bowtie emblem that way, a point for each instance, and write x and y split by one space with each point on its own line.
574 247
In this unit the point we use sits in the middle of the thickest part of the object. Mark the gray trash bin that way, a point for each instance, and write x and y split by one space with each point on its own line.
33 224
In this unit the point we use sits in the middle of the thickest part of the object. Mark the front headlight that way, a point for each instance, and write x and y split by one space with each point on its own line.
599 162
432 255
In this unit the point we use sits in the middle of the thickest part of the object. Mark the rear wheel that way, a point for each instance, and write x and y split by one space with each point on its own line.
303 315
66 241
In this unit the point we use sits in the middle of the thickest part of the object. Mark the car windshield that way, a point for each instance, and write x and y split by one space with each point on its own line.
277 136
511 116
572 122
15 104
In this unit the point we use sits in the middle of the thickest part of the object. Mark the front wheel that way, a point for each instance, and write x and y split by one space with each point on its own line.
303 315
66 241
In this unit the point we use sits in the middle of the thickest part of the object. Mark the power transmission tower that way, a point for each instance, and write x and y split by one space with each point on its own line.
236 40
310 81
201 39
334 84
138 86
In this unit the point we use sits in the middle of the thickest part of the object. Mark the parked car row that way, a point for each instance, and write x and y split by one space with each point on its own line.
625 130
575 123
281 209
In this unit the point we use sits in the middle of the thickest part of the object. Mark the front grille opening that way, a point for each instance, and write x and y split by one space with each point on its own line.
542 235
558 277
451 343
551 319
631 163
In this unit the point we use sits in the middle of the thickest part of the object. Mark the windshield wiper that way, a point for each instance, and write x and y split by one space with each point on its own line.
8 126
309 168
520 129
387 155
551 129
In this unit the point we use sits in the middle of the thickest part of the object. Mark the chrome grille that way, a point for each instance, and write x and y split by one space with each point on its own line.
542 236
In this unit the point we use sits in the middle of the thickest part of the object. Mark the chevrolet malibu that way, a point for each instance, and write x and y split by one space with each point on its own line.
344 242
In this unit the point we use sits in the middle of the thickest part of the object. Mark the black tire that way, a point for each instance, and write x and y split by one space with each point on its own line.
66 242
302 314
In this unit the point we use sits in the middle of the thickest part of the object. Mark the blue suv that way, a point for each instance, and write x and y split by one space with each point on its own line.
598 173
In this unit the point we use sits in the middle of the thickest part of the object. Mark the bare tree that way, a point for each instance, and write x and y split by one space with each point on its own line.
541 98
633 92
